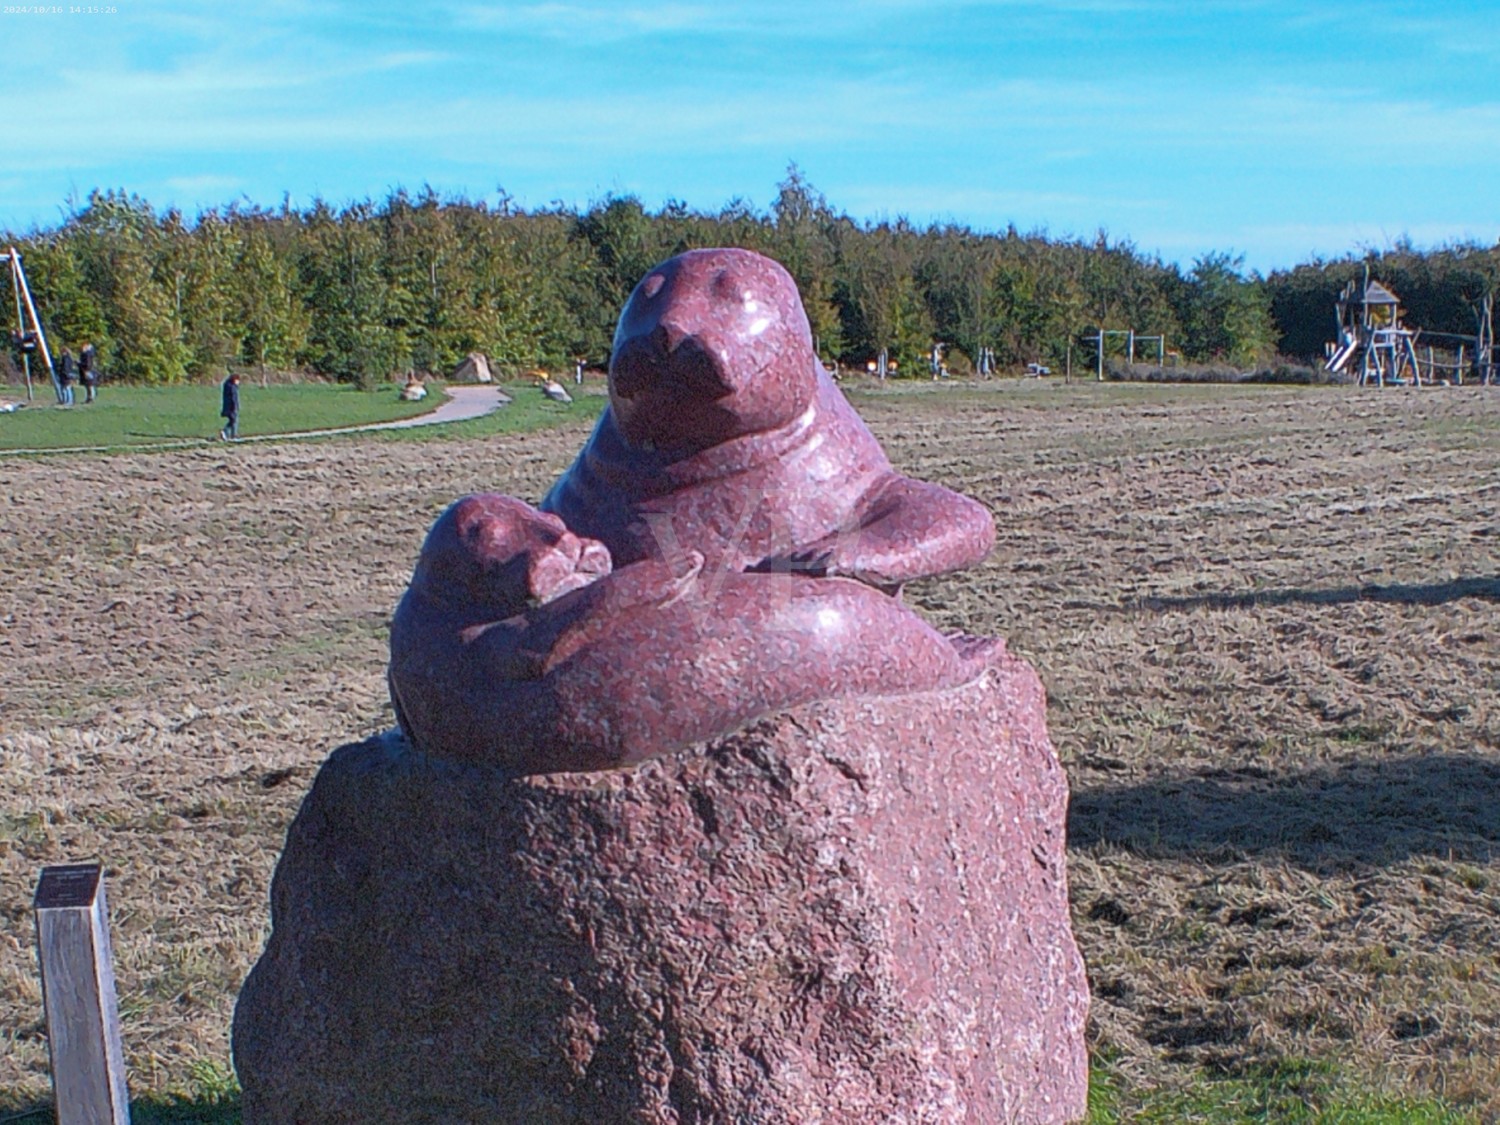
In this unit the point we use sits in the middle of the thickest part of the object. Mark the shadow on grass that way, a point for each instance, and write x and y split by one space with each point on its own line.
1435 593
209 1111
151 1111
1375 811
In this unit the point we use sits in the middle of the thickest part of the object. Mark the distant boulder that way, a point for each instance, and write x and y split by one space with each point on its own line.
475 368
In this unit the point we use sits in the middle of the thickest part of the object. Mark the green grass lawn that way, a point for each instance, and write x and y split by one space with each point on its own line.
1295 1092
125 417
137 417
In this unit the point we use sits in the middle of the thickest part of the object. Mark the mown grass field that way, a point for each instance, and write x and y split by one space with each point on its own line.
1268 620
157 418
143 416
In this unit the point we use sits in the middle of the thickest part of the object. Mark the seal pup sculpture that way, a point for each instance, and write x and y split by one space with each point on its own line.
516 646
724 434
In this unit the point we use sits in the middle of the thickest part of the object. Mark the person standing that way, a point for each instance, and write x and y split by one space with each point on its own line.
66 373
230 410
88 371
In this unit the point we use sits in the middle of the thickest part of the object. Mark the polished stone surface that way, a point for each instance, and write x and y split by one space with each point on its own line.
693 820
853 911
754 526
725 435
516 647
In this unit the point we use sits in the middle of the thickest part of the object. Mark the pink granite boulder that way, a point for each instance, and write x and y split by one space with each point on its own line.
854 911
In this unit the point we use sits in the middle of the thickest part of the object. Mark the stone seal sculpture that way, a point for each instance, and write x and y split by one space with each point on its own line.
725 434
689 818
756 525
517 647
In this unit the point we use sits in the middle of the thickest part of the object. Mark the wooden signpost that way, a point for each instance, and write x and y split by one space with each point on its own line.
78 991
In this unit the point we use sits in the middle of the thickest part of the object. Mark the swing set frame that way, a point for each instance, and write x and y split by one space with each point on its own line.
26 313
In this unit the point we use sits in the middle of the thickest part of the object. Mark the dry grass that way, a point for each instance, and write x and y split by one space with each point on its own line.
1269 621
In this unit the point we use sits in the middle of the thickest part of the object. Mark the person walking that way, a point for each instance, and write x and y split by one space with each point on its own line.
230 410
66 373
88 371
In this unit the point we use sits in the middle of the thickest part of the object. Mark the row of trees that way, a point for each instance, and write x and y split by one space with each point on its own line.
417 281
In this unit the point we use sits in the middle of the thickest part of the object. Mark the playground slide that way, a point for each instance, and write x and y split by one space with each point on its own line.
1337 360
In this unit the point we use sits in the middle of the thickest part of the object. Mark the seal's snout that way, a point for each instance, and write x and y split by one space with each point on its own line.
668 388
699 353
669 336
670 361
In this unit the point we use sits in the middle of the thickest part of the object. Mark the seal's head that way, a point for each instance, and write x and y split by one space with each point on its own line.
712 345
494 556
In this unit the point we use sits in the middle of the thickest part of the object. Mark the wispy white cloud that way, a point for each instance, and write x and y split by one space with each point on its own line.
1169 123
1095 7
939 201
1268 246
202 106
844 21
220 75
575 22
1375 234
1454 33
205 185
1356 124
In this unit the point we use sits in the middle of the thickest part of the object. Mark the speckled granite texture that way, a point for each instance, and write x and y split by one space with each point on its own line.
515 647
725 435
692 820
719 550
853 912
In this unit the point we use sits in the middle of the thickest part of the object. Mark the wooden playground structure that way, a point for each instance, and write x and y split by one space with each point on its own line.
28 337
1377 348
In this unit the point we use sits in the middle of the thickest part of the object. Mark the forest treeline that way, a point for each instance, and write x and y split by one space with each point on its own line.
418 280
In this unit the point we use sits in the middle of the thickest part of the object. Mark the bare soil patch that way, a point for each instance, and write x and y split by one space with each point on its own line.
1268 619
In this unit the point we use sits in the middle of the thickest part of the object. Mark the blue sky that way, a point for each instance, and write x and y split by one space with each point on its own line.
1272 129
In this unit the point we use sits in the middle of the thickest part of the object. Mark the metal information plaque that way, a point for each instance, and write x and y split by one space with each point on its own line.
71 885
